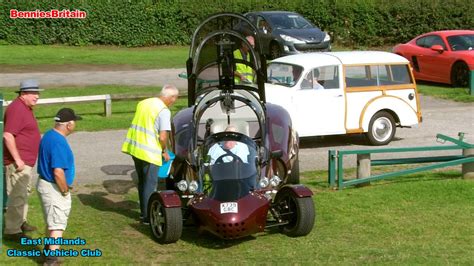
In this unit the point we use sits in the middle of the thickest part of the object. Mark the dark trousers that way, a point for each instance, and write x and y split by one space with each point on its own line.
147 183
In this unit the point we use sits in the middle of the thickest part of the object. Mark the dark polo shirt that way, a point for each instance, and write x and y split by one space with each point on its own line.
21 123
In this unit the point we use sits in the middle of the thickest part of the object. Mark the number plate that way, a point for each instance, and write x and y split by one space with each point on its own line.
229 207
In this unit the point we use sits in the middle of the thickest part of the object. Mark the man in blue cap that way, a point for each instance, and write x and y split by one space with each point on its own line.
21 142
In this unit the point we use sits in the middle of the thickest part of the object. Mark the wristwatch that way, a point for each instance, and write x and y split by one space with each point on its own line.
65 193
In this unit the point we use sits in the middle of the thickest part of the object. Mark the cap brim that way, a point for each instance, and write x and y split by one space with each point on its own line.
29 90
78 117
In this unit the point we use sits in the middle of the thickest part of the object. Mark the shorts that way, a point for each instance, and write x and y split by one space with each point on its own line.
56 207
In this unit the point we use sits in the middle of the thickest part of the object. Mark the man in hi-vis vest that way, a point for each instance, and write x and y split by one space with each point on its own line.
147 140
244 74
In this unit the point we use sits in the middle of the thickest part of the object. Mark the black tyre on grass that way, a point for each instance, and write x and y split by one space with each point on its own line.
298 212
166 224
460 75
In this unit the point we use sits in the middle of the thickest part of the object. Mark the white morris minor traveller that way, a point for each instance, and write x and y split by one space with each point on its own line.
352 92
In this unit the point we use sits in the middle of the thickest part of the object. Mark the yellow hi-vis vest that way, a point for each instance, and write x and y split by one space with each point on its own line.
142 139
245 70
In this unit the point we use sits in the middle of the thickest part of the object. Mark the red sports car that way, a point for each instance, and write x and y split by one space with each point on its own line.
441 56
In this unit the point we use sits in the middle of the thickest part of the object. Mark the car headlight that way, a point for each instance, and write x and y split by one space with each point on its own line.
182 185
193 186
264 182
327 38
290 39
275 181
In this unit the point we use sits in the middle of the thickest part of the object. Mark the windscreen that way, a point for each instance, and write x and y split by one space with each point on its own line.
289 21
231 160
284 74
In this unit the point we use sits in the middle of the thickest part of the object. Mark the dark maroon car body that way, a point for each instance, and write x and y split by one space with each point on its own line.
230 195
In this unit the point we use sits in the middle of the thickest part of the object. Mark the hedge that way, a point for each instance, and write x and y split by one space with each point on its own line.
170 22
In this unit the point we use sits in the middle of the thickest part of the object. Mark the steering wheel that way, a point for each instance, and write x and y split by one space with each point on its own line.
273 79
235 158
455 47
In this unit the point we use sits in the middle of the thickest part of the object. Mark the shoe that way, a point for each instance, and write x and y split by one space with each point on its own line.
15 237
28 228
145 221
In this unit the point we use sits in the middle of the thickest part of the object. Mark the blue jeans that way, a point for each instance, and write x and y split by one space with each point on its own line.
147 183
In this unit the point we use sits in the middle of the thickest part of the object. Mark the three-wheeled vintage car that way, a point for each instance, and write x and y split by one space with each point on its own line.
236 170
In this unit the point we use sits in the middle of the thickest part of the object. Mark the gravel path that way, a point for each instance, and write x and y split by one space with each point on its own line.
152 77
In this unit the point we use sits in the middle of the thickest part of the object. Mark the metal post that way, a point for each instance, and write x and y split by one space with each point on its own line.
340 171
363 167
471 88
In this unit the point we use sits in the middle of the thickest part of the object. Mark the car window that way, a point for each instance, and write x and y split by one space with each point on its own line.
429 41
284 74
377 75
461 42
262 24
289 21
321 78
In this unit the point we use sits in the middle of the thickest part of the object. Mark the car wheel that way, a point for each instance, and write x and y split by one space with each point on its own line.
166 224
294 177
381 129
460 75
299 213
275 51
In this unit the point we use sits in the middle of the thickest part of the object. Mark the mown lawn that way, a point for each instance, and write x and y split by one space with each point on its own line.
39 58
419 219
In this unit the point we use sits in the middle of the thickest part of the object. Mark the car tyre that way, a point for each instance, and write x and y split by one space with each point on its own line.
299 213
275 51
460 75
166 224
382 129
294 177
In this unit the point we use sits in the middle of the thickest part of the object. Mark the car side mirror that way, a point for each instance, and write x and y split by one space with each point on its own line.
438 48
276 154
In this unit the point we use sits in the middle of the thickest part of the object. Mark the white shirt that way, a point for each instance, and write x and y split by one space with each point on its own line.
240 149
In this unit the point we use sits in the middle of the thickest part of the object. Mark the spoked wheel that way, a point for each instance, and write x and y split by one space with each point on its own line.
381 128
166 224
298 212
460 75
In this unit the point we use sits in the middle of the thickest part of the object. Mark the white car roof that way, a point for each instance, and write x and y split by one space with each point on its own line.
317 59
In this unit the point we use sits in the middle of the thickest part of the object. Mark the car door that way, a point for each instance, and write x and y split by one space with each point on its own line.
264 32
432 64
319 111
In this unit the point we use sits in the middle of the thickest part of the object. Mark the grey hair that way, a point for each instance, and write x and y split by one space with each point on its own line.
169 90
60 124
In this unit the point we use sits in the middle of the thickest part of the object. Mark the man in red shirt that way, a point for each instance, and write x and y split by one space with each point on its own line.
21 143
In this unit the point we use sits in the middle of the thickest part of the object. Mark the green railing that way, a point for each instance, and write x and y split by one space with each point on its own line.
336 161
471 83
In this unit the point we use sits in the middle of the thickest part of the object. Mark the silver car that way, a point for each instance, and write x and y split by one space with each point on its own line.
285 33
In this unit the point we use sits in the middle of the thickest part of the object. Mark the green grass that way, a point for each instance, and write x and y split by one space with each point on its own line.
92 113
419 219
446 92
17 57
